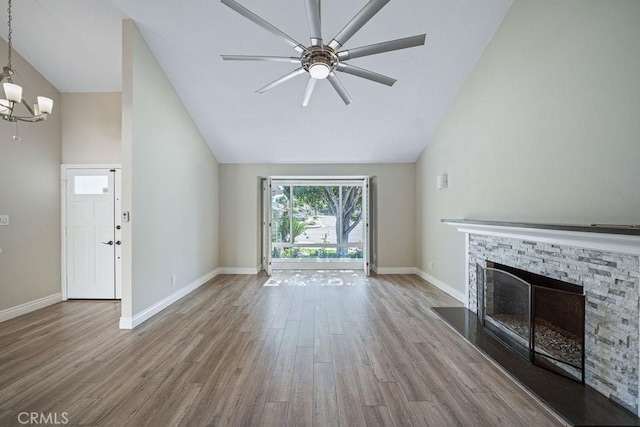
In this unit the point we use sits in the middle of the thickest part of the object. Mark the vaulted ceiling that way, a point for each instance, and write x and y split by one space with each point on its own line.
76 45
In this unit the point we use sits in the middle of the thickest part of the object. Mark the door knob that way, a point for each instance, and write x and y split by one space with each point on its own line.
118 242
110 243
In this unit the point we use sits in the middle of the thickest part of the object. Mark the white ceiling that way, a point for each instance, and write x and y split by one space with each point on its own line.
76 45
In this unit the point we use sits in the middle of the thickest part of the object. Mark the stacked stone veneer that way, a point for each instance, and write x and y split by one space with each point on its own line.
610 281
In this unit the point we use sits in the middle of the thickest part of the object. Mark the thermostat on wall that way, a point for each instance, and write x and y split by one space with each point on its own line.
442 181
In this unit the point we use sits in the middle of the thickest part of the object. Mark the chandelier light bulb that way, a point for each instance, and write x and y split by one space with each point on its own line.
13 92
45 105
5 106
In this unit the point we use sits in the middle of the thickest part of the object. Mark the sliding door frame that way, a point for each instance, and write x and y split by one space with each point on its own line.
316 263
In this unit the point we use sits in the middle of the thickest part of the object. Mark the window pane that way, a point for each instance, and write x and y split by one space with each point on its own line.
280 214
316 253
315 207
91 184
352 215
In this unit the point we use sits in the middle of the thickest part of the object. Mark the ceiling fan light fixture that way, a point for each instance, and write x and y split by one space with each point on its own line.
319 70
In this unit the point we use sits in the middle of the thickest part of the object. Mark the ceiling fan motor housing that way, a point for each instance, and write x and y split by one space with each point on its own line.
319 61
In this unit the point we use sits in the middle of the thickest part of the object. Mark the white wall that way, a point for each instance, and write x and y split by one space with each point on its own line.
240 209
546 129
30 195
170 185
91 127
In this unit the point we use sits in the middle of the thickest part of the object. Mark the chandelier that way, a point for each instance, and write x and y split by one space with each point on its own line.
13 94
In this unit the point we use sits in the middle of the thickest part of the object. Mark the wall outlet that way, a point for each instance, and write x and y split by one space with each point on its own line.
174 280
4 219
430 264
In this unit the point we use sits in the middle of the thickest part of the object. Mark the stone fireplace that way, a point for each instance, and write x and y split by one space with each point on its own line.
602 264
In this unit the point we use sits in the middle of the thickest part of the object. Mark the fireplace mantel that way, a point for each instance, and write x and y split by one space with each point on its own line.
615 238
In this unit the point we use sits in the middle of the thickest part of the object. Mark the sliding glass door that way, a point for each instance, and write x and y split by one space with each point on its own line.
316 223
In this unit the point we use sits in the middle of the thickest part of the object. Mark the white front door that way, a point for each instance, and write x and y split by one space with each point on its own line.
92 244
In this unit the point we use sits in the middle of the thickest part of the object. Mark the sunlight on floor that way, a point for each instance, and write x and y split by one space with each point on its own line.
316 277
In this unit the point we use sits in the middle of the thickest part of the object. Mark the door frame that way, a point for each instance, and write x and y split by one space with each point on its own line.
364 180
63 221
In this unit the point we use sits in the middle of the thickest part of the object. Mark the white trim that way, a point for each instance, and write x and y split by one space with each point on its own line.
366 234
395 270
240 270
125 323
19 310
466 269
318 177
460 296
63 233
91 166
623 243
146 314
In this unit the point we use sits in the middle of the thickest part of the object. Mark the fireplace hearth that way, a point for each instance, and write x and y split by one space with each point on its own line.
540 318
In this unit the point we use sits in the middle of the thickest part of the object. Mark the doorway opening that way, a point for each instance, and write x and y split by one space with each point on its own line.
316 223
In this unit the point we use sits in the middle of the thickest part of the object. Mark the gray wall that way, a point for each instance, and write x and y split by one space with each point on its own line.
30 195
91 128
240 209
170 185
546 129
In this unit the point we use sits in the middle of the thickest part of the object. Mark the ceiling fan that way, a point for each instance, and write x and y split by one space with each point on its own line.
320 60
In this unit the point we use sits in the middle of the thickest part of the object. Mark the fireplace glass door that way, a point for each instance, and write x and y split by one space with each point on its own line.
540 318
507 310
558 340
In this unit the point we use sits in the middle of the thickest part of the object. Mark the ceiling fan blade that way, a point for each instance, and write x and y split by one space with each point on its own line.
308 91
313 16
282 80
365 74
373 49
260 58
264 24
358 21
337 85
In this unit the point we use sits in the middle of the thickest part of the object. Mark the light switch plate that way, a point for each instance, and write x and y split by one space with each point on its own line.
4 219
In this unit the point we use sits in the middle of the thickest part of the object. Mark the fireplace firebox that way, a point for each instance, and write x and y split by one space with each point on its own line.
540 318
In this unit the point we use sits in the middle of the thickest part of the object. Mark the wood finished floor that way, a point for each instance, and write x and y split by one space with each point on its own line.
299 348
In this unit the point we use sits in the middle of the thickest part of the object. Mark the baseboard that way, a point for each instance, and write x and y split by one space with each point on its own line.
240 270
395 270
146 314
19 310
460 296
